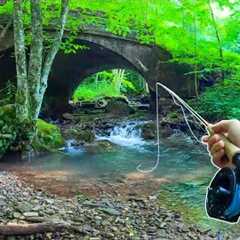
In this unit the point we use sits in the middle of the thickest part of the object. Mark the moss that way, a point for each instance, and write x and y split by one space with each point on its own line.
174 115
48 137
174 202
7 127
7 111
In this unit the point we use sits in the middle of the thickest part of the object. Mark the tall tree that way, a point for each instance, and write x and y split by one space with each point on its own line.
22 95
32 75
214 22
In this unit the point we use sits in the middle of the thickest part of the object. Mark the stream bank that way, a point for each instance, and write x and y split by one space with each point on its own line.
104 217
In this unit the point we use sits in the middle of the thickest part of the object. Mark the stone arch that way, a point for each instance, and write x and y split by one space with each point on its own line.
70 70
108 51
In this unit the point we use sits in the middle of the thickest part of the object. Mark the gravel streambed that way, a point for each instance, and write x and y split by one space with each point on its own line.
105 217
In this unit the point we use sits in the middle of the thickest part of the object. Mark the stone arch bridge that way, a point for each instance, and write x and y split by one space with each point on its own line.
104 51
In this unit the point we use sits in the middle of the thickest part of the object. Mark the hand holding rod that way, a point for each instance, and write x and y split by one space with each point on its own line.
232 151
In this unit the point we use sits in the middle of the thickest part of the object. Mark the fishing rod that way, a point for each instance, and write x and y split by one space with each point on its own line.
223 194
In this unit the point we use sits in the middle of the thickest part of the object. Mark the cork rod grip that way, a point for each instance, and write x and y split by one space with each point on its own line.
231 150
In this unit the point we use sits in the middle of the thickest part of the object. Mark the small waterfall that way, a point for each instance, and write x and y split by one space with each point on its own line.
127 134
69 145
71 148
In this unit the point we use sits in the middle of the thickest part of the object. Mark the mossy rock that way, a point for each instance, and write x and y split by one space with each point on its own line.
48 138
101 146
87 136
149 131
80 135
119 107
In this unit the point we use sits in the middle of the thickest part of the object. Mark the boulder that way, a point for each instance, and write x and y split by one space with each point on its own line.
81 135
149 131
68 116
101 147
166 131
119 107
87 136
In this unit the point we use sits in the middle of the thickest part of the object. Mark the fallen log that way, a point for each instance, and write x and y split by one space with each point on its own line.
30 229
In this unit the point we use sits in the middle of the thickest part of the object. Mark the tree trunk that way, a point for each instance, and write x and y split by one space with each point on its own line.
32 76
35 62
216 31
22 95
118 79
51 56
196 82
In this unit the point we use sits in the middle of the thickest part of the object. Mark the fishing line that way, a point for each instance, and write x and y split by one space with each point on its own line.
182 104
158 137
185 117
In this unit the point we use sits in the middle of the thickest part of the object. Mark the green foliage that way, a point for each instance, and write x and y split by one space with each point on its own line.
182 27
221 101
48 138
108 84
7 117
92 91
7 94
7 127
69 46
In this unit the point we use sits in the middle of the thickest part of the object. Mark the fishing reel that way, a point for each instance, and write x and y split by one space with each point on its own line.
223 194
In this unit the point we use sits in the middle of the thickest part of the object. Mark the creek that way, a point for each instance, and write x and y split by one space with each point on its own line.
180 180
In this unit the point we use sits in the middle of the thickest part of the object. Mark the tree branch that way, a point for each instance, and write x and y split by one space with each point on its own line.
29 229
5 29
53 52
56 43
216 30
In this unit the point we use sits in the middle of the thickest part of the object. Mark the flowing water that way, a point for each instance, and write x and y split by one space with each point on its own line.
180 158
184 170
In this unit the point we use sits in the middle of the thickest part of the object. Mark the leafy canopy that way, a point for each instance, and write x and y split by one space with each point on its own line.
185 28
112 83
